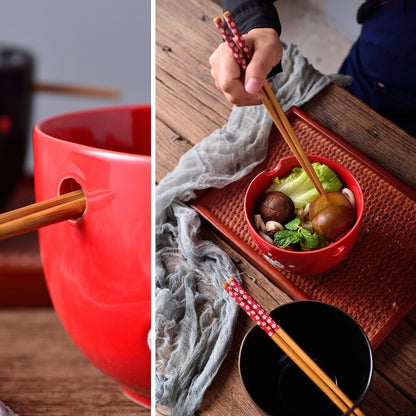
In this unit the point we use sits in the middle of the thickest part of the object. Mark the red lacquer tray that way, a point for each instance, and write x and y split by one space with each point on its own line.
376 284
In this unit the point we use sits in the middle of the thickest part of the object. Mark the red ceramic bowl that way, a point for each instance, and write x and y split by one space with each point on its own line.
97 267
306 262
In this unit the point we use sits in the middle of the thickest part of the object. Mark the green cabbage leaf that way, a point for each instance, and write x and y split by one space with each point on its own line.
298 187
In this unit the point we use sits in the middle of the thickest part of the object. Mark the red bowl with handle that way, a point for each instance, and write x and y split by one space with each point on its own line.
97 267
303 262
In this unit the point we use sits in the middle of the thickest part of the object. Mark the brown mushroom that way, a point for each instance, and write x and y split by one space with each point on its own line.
276 206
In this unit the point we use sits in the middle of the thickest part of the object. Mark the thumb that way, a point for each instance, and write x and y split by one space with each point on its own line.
256 72
267 52
252 85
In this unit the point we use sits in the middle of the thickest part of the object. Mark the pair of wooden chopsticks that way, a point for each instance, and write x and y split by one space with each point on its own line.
289 346
22 220
243 55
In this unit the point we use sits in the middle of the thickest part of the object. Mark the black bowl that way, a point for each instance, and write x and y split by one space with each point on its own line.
331 337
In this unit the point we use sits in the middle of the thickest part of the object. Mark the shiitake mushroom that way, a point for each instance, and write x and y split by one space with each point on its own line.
276 206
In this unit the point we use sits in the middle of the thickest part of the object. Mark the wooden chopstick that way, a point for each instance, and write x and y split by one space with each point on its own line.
290 347
242 54
67 206
285 128
87 90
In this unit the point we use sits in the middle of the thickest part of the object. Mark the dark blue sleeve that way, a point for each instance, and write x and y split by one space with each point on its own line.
251 14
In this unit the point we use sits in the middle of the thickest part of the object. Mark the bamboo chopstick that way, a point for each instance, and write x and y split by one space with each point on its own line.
87 90
285 128
243 55
22 220
289 346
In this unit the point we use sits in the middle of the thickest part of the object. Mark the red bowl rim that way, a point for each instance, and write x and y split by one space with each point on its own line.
38 128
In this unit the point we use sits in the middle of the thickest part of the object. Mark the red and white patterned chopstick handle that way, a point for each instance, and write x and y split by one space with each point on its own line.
251 307
238 54
238 36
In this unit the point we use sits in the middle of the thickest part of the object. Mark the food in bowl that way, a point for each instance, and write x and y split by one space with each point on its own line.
307 262
292 215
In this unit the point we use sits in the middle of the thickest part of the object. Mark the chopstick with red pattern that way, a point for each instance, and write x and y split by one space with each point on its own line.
237 34
238 54
243 55
290 347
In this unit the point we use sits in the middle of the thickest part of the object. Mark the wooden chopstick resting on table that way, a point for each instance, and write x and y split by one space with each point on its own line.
290 347
67 206
242 54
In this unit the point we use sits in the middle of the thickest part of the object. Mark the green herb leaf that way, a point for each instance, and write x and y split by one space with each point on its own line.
310 240
285 238
293 225
295 233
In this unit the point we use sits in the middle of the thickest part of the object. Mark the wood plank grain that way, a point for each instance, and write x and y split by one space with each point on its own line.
383 399
395 359
188 101
170 146
43 373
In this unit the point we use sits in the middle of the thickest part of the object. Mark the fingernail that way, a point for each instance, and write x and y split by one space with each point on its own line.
253 85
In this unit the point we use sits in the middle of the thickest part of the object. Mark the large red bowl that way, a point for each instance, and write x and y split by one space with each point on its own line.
303 262
97 267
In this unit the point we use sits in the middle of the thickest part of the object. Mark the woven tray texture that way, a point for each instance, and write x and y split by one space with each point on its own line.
376 283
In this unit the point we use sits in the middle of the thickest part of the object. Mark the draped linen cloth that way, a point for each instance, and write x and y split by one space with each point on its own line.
6 411
194 316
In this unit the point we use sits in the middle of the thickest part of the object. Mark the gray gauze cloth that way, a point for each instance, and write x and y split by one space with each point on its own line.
194 316
6 411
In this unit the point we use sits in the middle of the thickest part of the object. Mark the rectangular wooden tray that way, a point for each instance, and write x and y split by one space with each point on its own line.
376 284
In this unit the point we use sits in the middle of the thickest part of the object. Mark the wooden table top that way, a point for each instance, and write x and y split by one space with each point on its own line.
189 108
43 373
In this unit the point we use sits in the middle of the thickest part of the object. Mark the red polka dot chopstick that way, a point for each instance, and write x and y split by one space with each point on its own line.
237 52
243 55
238 36
290 347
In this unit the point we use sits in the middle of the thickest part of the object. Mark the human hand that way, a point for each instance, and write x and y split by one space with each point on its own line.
244 88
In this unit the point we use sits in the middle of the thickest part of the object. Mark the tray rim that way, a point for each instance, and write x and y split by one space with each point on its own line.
272 273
